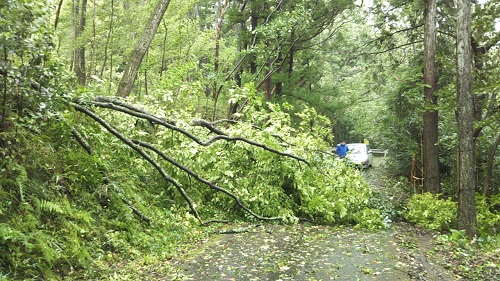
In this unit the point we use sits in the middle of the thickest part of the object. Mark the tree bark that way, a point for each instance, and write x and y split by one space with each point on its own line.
233 106
140 49
3 117
108 38
218 33
254 22
489 169
430 131
467 219
58 12
79 55
279 84
291 61
163 65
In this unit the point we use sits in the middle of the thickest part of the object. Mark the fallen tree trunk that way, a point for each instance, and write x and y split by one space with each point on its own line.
204 181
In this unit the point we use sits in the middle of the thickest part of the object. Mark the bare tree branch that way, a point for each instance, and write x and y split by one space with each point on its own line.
128 142
81 141
164 123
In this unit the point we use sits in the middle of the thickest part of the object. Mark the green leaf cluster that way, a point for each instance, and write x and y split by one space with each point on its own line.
488 215
431 212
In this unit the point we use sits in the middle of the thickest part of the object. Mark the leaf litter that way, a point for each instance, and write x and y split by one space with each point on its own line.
316 252
311 252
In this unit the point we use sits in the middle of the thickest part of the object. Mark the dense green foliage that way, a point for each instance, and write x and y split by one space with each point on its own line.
75 199
430 212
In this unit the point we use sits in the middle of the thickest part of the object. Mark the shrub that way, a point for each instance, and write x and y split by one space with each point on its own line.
488 216
429 211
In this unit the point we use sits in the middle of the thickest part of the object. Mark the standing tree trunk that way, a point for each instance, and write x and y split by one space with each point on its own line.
465 114
58 12
140 49
92 66
291 57
79 55
430 132
489 170
233 106
219 20
254 22
279 84
267 79
108 38
163 65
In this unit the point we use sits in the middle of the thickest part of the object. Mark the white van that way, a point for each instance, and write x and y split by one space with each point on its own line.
360 154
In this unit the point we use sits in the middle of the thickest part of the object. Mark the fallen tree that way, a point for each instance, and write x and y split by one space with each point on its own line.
137 145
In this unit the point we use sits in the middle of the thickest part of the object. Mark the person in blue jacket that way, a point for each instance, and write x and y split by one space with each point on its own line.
341 150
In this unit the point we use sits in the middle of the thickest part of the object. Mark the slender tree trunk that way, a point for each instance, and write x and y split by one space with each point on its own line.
233 106
467 219
110 73
267 81
267 86
163 66
254 21
79 56
140 49
108 38
92 68
291 58
430 132
489 170
279 84
58 12
3 117
480 100
145 82
219 20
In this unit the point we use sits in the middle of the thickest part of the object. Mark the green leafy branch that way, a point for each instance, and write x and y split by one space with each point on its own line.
136 145
131 110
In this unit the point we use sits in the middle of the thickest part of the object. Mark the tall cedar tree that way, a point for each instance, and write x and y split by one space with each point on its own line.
430 131
467 219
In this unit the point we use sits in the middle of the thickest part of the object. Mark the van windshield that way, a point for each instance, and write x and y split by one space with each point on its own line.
357 149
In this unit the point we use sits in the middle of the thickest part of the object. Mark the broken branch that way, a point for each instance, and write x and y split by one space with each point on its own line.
142 153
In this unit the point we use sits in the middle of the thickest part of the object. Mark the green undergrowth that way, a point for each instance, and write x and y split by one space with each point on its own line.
472 260
433 212
62 214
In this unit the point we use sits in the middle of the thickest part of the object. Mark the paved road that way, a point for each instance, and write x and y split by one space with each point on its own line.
310 252
301 252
